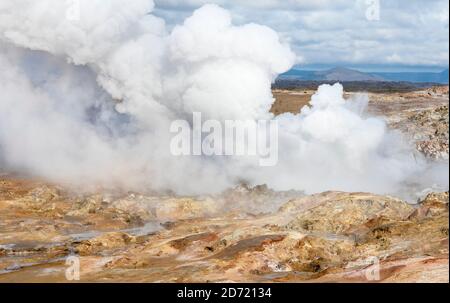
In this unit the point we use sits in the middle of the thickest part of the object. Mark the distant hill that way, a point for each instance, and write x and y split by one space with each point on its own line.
356 86
334 74
441 77
346 75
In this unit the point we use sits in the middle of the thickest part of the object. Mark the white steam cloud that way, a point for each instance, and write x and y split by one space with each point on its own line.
89 100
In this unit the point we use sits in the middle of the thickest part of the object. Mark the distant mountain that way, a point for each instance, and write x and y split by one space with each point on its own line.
441 77
334 74
299 74
346 74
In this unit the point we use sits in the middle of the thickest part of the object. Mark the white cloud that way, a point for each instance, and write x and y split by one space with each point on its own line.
338 32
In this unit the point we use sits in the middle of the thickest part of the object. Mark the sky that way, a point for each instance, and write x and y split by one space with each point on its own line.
399 36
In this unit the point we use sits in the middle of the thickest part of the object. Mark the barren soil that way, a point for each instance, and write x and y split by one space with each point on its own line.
242 235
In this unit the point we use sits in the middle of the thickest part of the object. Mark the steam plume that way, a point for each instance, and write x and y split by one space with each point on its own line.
90 101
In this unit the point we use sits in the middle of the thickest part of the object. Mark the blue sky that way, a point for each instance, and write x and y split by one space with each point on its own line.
408 36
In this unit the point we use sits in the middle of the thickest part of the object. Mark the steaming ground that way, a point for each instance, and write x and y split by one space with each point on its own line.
90 102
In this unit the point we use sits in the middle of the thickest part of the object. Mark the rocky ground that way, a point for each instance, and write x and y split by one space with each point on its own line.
242 235
422 114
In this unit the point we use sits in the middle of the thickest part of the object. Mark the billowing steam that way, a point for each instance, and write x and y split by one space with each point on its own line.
88 99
